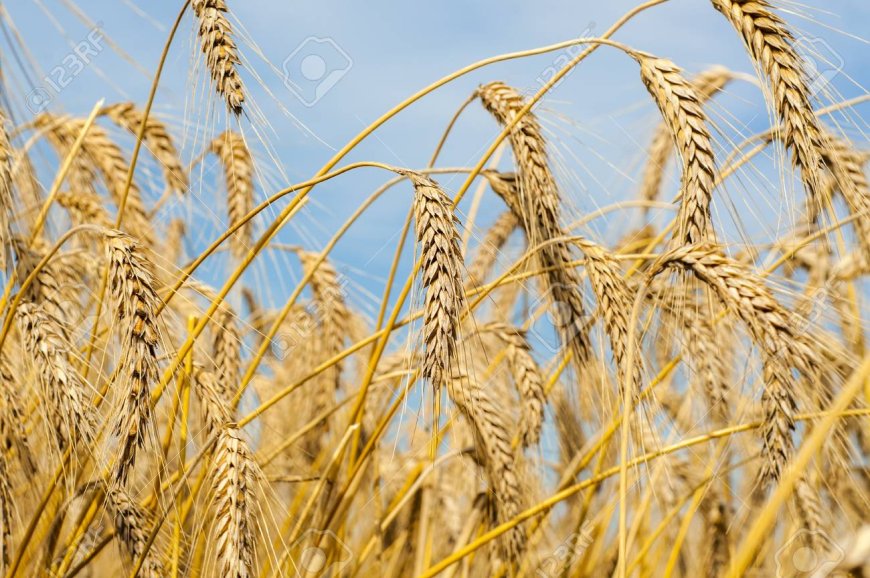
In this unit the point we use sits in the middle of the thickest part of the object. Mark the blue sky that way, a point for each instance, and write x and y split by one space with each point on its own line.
599 120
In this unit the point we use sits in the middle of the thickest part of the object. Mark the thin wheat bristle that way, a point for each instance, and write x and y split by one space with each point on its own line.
156 138
238 166
537 202
685 118
771 46
221 53
136 302
435 227
233 481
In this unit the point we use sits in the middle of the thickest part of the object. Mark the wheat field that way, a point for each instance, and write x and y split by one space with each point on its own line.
514 395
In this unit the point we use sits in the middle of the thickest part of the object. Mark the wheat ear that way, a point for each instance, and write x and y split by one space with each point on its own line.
158 140
221 53
435 227
62 388
133 527
683 115
233 482
771 45
773 331
238 165
705 85
136 304
528 379
497 455
538 206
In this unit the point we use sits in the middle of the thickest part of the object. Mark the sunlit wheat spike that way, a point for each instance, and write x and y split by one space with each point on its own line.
490 247
494 438
136 304
705 85
435 226
774 332
771 45
6 520
682 112
534 196
133 528
14 436
333 318
238 168
62 389
234 476
7 206
156 138
221 53
527 377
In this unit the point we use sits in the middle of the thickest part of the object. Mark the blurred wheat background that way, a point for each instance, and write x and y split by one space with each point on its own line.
488 290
